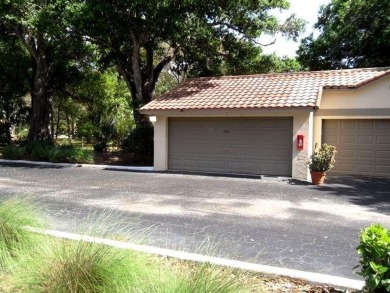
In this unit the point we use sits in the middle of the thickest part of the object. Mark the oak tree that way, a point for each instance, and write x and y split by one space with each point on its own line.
353 33
143 37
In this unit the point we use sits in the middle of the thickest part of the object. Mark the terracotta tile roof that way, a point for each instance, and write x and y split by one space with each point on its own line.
299 89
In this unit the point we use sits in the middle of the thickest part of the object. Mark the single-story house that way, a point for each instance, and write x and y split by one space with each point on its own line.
252 124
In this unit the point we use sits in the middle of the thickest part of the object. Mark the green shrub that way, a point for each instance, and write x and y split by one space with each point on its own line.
70 154
140 143
374 250
49 153
5 136
15 239
322 159
13 152
39 151
64 266
100 146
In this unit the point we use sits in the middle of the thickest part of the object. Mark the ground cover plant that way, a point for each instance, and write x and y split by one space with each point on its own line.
48 153
374 250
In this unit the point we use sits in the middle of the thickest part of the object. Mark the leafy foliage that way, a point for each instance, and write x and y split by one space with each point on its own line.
374 250
70 154
353 33
322 159
142 38
13 152
103 111
49 153
14 75
55 54
140 144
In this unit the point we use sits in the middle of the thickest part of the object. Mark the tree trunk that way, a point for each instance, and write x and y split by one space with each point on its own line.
136 100
58 117
52 120
41 105
68 126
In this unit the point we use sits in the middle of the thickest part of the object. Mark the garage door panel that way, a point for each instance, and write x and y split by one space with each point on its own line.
347 126
362 150
365 154
365 167
350 154
238 145
366 139
383 170
383 155
189 163
365 125
249 166
233 165
218 165
383 126
282 167
347 139
383 139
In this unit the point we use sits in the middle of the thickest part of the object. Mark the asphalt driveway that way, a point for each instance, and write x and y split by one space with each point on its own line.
273 221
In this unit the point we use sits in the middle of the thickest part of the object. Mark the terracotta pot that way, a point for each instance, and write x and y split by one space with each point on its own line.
317 178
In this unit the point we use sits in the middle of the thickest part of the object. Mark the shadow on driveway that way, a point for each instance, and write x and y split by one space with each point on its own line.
366 191
34 166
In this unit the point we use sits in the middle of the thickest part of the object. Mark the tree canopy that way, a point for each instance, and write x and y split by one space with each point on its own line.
66 41
14 77
42 30
142 37
353 33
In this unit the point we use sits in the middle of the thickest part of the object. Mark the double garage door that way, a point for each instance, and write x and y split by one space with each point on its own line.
363 146
234 145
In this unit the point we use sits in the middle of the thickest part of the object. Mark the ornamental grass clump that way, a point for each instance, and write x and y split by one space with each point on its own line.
198 277
322 159
15 239
64 266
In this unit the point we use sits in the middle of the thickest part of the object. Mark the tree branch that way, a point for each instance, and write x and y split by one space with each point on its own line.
167 59
27 40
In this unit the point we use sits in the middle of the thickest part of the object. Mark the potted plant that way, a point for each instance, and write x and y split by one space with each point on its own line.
321 161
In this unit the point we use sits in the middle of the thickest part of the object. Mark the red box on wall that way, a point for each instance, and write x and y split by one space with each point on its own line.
300 142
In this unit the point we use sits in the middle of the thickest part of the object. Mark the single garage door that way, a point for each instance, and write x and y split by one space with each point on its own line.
233 145
363 146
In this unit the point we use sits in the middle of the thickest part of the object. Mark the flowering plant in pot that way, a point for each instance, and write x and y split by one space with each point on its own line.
320 162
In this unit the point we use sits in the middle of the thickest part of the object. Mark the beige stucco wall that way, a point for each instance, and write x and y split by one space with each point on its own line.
371 101
374 95
161 144
302 124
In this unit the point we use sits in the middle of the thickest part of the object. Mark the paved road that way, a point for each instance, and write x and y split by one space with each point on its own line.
272 221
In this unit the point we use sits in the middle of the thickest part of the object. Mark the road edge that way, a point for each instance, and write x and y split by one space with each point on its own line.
92 166
271 270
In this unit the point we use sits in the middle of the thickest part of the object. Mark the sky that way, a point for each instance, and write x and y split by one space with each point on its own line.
304 9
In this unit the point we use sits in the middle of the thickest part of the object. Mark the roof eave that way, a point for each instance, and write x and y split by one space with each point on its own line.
167 112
